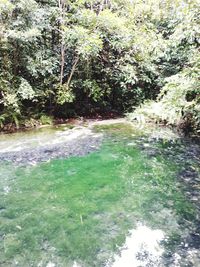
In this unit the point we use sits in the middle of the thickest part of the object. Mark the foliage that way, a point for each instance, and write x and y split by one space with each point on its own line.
64 94
178 102
44 119
57 55
93 90
25 90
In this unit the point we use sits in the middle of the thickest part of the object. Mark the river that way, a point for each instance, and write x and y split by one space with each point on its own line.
111 194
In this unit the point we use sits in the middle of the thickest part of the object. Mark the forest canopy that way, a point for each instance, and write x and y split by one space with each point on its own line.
65 58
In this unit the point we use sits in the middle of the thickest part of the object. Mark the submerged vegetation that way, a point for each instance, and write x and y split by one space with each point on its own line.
78 211
63 58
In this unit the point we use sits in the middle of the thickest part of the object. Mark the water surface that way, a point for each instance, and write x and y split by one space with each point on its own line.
134 201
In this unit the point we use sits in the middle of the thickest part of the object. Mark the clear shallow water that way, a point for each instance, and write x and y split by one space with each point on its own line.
134 201
41 137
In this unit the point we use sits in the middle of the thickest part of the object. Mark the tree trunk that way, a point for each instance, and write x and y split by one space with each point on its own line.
72 71
62 5
62 62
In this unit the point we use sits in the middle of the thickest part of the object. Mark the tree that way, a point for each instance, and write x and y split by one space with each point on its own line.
58 56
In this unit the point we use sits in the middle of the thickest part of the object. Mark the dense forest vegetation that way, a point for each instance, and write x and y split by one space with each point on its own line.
65 58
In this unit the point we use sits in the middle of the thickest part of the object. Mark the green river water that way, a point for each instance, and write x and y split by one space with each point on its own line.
129 203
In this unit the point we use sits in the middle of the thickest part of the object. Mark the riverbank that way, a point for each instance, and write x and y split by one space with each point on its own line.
76 138
45 121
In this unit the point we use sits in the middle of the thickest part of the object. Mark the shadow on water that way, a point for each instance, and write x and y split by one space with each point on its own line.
133 201
181 247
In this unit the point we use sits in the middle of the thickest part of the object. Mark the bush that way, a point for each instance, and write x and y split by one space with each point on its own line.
44 119
177 104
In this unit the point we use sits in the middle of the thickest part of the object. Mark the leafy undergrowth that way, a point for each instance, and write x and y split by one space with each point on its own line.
178 102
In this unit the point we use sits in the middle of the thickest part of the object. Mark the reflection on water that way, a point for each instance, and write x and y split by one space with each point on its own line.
142 248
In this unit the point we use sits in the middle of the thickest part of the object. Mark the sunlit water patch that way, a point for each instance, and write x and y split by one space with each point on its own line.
48 143
42 137
142 248
133 201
